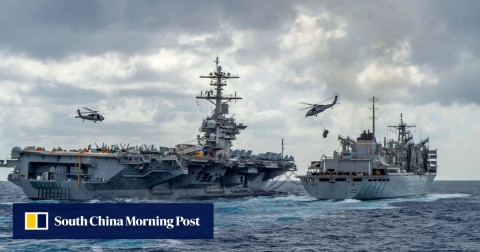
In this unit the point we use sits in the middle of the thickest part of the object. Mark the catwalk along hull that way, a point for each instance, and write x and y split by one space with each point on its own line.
367 187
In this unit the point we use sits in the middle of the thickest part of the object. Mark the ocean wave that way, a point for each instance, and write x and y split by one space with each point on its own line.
436 196
351 201
296 221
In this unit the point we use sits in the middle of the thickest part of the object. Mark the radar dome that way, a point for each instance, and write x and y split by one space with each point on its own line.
211 124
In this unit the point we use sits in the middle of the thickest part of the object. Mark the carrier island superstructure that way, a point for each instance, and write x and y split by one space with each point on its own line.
209 168
365 169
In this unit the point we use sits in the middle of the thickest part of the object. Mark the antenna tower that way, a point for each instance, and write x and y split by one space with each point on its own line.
373 100
218 80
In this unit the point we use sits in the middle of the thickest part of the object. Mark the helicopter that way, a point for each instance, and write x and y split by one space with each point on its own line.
315 109
88 114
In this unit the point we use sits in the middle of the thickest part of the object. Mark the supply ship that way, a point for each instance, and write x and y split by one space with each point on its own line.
210 168
365 169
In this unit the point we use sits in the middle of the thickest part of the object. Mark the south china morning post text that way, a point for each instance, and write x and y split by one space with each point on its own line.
106 221
113 221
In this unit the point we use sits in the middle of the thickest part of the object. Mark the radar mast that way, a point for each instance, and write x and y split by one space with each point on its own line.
403 134
218 79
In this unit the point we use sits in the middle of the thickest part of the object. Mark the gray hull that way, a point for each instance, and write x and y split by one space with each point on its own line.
86 176
70 191
366 187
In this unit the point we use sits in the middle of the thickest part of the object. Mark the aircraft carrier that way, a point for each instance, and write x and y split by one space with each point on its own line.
365 169
210 168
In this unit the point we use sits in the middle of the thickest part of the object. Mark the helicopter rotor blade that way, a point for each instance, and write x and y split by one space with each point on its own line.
309 107
94 111
306 103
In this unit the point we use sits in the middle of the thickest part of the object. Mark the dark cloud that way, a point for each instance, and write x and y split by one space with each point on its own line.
55 29
436 31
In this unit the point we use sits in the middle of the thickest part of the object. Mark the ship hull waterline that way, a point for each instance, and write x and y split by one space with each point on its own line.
72 191
339 187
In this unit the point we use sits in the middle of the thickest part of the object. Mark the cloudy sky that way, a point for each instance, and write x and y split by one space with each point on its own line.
139 62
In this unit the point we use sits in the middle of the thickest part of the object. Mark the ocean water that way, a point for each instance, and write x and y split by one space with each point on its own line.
447 219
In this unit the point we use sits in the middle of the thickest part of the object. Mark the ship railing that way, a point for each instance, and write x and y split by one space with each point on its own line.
97 180
163 171
329 173
248 155
134 159
68 177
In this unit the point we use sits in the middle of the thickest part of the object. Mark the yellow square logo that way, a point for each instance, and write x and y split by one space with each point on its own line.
36 221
